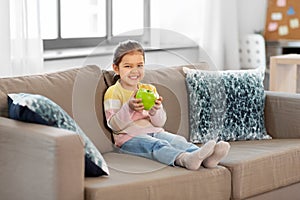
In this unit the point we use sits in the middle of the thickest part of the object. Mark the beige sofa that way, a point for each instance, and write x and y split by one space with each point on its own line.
39 162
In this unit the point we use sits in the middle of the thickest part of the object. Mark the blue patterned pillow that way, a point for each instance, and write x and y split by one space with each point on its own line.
226 105
39 109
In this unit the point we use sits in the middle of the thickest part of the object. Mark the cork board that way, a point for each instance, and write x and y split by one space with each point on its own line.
282 20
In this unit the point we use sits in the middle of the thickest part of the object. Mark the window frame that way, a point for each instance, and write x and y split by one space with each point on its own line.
65 43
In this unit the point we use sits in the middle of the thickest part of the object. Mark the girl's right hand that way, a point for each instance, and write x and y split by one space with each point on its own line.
135 104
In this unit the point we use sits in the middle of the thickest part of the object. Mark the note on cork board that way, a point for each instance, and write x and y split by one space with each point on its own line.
282 20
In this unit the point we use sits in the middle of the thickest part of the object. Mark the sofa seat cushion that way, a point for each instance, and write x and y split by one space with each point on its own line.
133 177
262 165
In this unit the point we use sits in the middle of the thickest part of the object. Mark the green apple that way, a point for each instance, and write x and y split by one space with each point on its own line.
148 98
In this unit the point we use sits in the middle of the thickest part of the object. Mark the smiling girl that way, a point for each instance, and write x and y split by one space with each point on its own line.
140 132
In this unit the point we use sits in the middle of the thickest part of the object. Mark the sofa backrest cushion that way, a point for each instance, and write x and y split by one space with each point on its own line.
56 86
282 114
78 91
88 93
170 84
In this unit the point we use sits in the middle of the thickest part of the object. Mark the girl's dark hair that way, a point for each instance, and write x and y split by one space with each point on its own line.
126 47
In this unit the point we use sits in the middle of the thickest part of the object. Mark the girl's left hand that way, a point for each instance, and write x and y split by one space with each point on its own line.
156 107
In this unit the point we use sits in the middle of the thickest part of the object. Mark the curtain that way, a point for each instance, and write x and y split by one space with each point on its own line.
25 38
213 24
220 37
5 68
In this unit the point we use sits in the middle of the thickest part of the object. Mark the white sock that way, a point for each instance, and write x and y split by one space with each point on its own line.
194 159
220 152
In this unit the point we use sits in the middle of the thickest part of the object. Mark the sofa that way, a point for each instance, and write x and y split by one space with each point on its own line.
44 162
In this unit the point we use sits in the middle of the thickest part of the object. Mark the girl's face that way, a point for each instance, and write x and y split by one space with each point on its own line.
131 70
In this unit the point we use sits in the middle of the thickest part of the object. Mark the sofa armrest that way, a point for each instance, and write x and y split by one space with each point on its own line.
40 162
282 114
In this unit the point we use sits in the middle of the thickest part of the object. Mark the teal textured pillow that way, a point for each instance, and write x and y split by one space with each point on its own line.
39 109
226 105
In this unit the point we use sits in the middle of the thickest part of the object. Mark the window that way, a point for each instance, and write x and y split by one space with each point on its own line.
86 23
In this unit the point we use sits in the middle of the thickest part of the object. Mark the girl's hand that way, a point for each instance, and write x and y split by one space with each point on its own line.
135 104
156 107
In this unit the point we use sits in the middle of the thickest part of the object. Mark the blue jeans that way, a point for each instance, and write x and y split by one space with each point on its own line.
163 147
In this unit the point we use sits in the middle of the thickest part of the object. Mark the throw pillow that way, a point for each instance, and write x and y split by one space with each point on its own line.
36 108
226 105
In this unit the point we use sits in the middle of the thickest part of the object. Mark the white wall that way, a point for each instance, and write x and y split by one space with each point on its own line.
251 15
154 59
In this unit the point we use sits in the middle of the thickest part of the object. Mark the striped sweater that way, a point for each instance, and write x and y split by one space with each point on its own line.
125 122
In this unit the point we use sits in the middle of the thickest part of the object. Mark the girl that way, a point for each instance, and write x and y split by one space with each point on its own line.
140 132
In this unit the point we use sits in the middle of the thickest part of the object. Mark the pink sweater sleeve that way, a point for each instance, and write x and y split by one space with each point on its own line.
118 120
159 119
